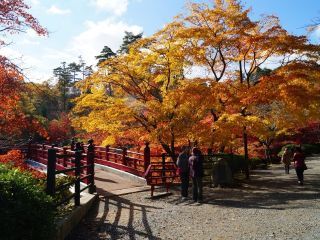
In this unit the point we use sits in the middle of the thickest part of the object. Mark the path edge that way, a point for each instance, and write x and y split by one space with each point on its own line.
67 224
121 173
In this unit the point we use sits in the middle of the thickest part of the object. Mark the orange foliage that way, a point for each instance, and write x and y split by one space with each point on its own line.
13 120
15 159
14 18
60 129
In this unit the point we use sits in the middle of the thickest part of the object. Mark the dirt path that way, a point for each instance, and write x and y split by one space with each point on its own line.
271 206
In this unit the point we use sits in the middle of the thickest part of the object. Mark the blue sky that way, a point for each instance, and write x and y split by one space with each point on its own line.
83 27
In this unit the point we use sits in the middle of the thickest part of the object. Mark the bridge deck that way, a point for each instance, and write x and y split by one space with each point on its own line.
109 183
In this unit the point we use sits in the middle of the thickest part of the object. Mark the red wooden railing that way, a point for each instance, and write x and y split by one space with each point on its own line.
161 173
119 158
122 159
65 158
156 169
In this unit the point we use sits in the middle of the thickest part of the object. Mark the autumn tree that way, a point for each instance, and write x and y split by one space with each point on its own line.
60 130
40 100
14 18
148 95
225 42
156 95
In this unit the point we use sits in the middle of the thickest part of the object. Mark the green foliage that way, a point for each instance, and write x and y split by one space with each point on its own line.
235 162
291 147
257 163
26 211
128 39
105 54
307 149
65 192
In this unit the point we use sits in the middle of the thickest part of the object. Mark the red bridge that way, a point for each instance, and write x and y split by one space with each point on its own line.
156 169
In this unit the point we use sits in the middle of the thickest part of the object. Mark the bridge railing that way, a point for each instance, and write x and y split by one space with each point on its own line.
64 161
119 158
161 172
122 159
76 170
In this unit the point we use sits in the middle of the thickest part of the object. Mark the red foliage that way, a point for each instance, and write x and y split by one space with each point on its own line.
14 18
15 158
13 121
60 130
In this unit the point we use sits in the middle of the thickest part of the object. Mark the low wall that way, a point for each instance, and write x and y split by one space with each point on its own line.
67 224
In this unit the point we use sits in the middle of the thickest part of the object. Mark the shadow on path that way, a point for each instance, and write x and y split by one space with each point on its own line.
267 189
113 217
117 217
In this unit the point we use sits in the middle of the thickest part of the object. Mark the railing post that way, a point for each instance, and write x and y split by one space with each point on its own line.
124 156
77 175
65 157
90 169
146 156
51 171
107 152
163 162
42 152
29 153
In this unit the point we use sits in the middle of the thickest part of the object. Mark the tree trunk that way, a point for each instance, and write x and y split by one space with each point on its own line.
268 153
246 158
168 150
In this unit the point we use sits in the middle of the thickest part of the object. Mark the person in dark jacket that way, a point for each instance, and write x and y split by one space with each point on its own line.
183 167
196 173
299 164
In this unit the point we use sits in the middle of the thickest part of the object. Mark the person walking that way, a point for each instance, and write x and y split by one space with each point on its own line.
286 159
183 169
299 164
196 173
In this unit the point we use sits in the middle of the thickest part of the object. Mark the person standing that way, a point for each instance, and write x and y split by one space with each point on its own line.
286 159
196 173
183 167
299 164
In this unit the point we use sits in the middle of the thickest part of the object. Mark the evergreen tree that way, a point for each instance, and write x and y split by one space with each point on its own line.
128 39
105 54
64 77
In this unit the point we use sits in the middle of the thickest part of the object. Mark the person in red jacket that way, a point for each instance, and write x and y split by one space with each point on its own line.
299 164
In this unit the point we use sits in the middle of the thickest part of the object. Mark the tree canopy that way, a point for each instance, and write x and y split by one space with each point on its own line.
157 98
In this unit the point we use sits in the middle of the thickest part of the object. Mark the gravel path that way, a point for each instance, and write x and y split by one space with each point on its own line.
270 206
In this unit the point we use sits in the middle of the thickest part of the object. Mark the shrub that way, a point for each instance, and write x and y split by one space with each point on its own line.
26 211
65 192
257 163
306 148
309 149
14 159
235 162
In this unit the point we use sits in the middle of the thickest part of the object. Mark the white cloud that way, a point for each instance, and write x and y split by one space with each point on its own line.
89 43
58 11
28 42
59 56
117 7
317 31
34 69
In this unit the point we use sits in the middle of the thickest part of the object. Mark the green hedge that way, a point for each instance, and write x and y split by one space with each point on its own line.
311 148
307 149
235 162
26 211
